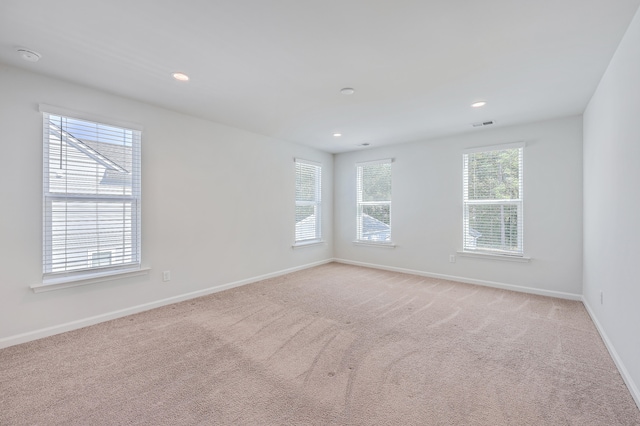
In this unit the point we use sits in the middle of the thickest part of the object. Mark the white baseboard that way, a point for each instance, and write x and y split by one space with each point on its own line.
5 342
633 388
521 289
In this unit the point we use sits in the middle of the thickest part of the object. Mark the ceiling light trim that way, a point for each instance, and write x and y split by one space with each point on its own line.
180 76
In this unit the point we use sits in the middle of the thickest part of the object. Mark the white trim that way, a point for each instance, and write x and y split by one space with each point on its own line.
67 281
382 244
74 325
310 162
631 385
54 110
491 256
308 243
493 284
500 147
374 162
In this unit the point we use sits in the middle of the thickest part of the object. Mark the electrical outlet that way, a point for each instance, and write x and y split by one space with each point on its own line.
601 297
166 276
452 258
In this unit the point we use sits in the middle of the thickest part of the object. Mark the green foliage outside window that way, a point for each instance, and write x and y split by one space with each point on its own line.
494 175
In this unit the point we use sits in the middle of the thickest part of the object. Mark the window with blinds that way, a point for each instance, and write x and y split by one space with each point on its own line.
492 199
308 201
91 197
374 201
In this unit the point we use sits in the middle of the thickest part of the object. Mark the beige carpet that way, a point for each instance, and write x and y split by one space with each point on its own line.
335 344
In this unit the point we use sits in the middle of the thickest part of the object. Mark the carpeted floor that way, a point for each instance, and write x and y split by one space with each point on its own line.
331 345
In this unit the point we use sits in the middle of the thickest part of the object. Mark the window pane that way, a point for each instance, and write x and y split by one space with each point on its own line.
376 182
375 222
305 182
88 158
493 227
304 212
101 258
494 175
80 229
306 223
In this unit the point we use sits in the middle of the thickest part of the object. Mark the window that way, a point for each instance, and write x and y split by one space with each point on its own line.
308 201
492 199
91 197
100 258
374 201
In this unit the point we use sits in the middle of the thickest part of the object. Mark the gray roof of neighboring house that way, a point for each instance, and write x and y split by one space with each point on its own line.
116 159
120 155
97 151
306 228
374 229
474 233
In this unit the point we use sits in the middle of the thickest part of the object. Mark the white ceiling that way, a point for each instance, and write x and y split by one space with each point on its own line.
275 67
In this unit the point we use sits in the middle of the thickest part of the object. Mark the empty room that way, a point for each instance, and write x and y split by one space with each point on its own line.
355 212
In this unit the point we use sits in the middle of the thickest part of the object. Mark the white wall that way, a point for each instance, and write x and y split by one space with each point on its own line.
612 205
218 205
427 207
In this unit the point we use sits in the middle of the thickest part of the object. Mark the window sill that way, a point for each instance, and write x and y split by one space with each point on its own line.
86 279
491 256
310 243
388 245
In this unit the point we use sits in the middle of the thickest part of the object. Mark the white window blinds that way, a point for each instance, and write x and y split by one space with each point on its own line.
92 196
374 201
308 201
492 199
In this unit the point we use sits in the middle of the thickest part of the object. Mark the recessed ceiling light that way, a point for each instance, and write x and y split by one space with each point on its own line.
337 135
347 91
29 55
483 123
478 104
180 76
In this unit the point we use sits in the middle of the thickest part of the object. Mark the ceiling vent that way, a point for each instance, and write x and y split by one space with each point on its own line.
482 123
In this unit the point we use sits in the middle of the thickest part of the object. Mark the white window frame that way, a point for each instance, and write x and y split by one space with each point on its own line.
316 203
90 274
360 204
467 244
